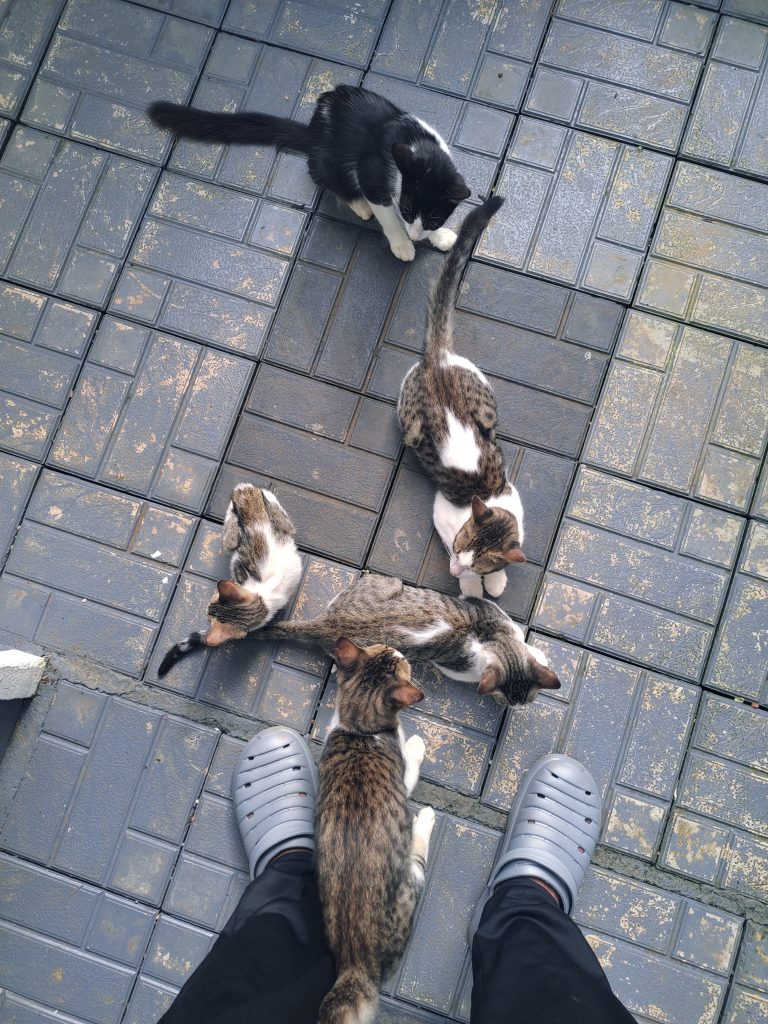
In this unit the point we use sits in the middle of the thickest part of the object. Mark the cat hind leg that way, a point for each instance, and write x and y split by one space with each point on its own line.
413 752
423 823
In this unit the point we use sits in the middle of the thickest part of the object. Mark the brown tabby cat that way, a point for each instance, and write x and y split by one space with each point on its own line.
370 857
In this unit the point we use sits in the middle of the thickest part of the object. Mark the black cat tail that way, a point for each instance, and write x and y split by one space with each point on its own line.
179 651
246 129
352 1000
443 297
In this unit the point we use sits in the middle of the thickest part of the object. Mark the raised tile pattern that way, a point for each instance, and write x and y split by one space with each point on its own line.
707 259
639 573
685 410
719 826
748 1000
108 59
629 70
580 208
25 27
17 478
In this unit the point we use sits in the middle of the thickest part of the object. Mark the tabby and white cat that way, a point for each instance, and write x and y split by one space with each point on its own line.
379 160
447 410
370 856
265 566
471 640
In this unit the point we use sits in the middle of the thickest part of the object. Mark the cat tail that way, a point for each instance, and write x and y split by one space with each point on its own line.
443 297
353 999
179 651
248 129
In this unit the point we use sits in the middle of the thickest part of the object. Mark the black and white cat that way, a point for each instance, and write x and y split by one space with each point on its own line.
447 410
381 161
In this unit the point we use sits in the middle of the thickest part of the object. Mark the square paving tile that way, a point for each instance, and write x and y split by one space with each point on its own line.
135 770
327 28
482 51
151 414
683 409
68 214
580 208
707 261
108 59
629 70
241 75
330 454
755 10
748 999
739 661
17 478
209 263
209 12
639 573
92 572
718 831
629 726
729 126
25 28
42 344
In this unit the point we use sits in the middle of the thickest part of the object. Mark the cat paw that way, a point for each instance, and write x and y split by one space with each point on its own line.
442 238
495 582
415 750
424 822
404 250
471 586
362 208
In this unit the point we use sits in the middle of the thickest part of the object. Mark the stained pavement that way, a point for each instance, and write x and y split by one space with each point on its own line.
176 318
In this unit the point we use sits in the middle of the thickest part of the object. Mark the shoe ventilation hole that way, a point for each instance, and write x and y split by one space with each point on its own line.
554 776
301 794
588 821
541 795
249 814
286 745
247 785
588 792
296 768
251 757
582 850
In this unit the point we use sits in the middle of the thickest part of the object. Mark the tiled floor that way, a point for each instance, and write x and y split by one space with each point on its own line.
174 319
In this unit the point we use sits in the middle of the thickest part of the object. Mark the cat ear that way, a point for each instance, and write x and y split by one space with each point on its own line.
490 681
347 654
480 511
544 677
514 555
220 633
278 517
404 696
231 592
458 191
403 156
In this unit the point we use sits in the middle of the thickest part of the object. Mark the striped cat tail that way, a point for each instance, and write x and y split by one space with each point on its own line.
179 651
353 999
443 297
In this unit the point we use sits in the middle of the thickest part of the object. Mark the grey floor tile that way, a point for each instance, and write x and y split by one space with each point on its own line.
42 345
209 12
242 75
209 263
151 414
629 726
483 52
760 502
729 125
706 263
580 208
754 10
136 771
25 27
683 409
175 950
639 573
107 60
17 478
629 70
748 999
326 28
718 831
92 572
68 213
739 662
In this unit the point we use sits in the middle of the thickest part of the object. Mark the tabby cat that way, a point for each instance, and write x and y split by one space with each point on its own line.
265 567
370 856
472 640
447 410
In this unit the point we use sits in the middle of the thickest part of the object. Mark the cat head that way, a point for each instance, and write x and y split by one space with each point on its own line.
374 683
253 506
233 613
488 541
431 189
516 674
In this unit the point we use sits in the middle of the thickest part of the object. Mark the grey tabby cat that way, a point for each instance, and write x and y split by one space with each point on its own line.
370 856
265 566
447 410
472 640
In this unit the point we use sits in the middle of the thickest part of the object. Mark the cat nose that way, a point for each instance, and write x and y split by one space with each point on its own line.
456 568
413 233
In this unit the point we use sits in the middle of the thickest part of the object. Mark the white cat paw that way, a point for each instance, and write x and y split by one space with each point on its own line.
471 586
424 822
495 582
415 750
442 238
362 208
404 249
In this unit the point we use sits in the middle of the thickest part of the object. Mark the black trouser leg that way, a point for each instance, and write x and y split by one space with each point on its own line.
270 965
532 965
